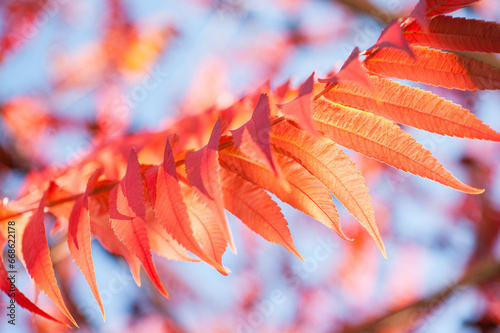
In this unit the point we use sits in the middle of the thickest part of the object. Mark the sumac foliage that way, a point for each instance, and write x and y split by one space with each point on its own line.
169 191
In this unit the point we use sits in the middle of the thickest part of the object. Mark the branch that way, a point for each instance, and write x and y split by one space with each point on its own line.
410 315
365 7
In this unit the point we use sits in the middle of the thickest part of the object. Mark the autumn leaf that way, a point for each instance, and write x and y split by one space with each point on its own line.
391 37
351 71
202 168
101 228
306 193
6 286
79 238
378 138
438 7
327 162
127 210
299 110
254 207
435 68
161 241
413 107
204 223
253 137
455 34
36 254
171 213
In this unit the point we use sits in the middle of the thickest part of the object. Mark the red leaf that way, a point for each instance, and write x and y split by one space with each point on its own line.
165 196
202 168
206 229
330 165
439 7
381 139
428 8
299 110
253 137
305 192
79 238
391 37
413 107
435 68
101 228
455 34
254 207
36 254
161 241
15 294
127 210
351 71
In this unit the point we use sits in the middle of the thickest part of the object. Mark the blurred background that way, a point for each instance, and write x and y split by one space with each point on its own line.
76 75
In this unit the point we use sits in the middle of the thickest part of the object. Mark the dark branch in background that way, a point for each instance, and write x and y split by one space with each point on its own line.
412 314
365 7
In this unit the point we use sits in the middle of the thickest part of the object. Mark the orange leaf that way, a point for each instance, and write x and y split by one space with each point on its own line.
306 193
456 34
100 227
392 37
413 107
127 211
435 68
202 168
253 137
79 238
381 139
36 255
299 110
351 71
165 196
206 229
161 241
439 7
327 162
11 290
254 207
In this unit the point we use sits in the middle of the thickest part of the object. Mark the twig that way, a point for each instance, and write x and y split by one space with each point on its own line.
405 316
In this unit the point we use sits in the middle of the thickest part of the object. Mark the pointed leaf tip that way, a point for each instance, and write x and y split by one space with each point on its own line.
351 71
79 238
392 37
127 211
299 109
253 137
36 253
202 168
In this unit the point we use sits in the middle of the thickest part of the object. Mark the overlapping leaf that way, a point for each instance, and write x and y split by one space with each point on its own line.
299 110
202 168
161 241
378 138
253 137
79 239
306 193
327 162
456 34
6 286
101 228
166 199
392 37
435 68
439 7
127 211
254 207
204 223
36 254
413 107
